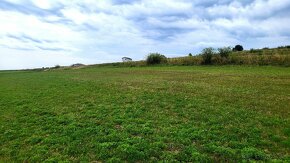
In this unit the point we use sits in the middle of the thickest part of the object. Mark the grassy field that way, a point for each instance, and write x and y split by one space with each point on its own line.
197 113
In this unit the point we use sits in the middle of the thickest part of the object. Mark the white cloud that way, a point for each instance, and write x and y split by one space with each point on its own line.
45 32
18 1
43 4
19 25
256 9
15 59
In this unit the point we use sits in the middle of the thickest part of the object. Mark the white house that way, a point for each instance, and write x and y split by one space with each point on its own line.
126 59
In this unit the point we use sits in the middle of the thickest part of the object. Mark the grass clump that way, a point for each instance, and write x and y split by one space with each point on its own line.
253 154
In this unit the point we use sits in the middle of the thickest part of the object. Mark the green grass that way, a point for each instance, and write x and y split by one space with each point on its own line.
147 114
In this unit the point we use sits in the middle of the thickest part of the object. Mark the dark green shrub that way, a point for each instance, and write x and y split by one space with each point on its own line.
190 55
207 55
224 52
155 58
56 66
282 47
253 154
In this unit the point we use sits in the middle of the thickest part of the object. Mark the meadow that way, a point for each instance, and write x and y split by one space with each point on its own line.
146 114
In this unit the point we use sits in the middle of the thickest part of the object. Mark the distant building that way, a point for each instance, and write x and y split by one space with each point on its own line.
126 59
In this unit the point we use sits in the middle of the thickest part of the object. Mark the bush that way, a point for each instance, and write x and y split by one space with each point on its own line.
207 55
238 48
155 58
282 47
252 50
190 55
57 66
253 154
224 52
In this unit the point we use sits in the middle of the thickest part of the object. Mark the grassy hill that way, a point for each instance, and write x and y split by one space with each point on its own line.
146 114
267 56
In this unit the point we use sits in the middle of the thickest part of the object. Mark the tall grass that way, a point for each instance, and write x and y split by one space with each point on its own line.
277 56
186 61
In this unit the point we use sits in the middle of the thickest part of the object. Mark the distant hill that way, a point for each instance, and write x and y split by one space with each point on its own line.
279 56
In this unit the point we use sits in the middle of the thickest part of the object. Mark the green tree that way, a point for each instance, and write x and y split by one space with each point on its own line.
238 48
207 55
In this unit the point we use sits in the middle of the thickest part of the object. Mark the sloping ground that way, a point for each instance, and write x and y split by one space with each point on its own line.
199 113
262 57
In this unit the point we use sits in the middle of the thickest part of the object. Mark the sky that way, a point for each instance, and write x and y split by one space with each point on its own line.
42 33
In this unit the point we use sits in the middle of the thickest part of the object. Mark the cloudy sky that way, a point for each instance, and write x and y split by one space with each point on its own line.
40 33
